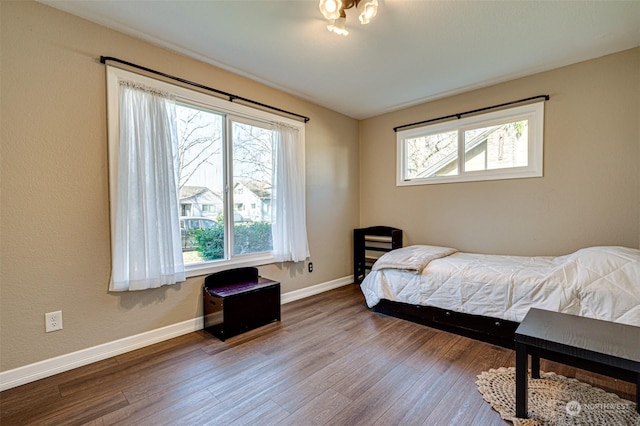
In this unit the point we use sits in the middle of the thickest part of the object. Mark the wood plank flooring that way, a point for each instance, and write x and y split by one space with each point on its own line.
330 361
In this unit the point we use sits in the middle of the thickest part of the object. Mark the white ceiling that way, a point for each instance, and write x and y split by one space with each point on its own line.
412 52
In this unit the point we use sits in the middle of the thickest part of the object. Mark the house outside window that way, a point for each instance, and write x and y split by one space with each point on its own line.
506 144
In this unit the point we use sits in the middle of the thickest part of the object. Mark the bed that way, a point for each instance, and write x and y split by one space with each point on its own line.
486 296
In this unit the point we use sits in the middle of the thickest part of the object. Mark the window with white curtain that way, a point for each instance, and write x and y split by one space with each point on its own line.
238 194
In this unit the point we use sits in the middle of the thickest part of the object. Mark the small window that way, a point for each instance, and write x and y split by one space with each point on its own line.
500 145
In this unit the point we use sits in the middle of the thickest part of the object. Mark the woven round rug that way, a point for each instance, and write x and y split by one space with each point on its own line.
555 400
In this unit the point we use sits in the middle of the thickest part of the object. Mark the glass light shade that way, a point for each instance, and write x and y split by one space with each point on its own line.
330 8
337 26
367 9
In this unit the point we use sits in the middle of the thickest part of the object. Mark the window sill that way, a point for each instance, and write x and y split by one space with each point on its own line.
206 268
484 175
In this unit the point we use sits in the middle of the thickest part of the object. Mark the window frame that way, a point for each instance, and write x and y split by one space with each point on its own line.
533 112
231 111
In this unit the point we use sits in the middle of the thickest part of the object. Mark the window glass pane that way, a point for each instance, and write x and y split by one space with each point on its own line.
252 188
432 155
200 135
496 147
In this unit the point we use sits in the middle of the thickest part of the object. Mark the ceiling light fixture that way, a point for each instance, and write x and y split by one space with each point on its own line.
334 10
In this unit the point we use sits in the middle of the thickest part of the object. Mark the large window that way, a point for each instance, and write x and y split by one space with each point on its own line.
203 142
501 145
226 175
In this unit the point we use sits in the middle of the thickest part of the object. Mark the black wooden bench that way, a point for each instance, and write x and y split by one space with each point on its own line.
238 300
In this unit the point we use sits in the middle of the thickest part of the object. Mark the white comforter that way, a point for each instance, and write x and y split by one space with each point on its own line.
595 282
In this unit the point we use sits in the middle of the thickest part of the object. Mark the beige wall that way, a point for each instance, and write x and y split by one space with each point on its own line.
54 224
590 192
54 191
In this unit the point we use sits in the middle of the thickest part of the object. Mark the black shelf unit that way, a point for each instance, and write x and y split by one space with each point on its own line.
369 244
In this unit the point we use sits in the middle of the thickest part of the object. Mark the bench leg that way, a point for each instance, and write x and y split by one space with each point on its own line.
535 363
638 393
522 362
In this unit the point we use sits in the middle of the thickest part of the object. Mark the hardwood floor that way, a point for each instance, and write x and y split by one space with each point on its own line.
329 361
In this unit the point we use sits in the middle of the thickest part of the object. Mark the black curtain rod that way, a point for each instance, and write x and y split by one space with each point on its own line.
232 97
460 114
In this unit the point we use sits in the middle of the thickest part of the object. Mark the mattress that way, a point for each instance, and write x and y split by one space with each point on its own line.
596 282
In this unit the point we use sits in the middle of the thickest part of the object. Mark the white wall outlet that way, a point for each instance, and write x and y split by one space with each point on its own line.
53 321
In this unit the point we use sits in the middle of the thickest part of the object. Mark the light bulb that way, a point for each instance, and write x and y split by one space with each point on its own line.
337 26
330 8
368 9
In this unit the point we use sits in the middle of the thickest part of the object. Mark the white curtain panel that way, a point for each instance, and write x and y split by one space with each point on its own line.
289 224
147 250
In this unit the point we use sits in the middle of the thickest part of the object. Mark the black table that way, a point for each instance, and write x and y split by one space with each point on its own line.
605 342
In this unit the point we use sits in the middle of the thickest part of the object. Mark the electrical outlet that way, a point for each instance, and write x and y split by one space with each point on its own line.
310 266
53 321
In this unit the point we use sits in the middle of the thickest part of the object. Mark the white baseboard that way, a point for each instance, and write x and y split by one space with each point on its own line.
315 289
49 367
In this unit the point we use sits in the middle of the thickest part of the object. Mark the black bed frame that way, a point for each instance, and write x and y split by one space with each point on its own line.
491 330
